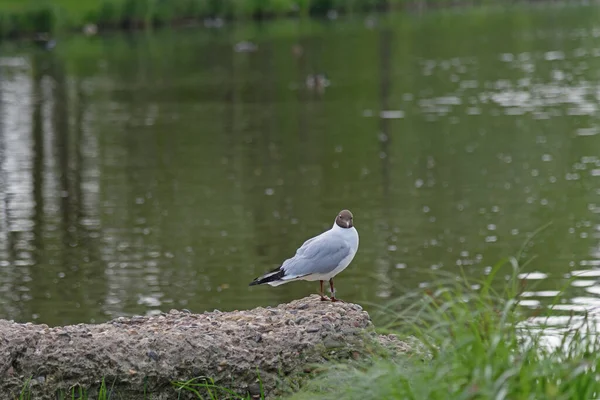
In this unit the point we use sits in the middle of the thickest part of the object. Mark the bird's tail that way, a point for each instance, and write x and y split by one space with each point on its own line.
272 276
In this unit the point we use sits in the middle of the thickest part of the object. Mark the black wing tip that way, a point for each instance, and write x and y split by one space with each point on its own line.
274 275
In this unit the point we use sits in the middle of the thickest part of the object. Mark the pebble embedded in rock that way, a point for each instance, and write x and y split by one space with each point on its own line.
254 389
152 354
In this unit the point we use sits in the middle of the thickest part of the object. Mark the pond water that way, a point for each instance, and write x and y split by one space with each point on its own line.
144 172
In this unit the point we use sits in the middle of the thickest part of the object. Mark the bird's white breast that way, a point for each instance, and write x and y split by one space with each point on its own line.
350 236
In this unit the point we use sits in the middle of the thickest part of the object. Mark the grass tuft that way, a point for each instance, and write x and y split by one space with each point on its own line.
482 345
204 387
26 391
200 387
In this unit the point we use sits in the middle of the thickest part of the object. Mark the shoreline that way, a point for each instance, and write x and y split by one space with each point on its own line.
41 23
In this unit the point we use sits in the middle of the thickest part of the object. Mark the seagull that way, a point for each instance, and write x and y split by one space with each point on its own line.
320 258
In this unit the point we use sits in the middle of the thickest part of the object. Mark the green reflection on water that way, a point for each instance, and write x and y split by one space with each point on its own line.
148 172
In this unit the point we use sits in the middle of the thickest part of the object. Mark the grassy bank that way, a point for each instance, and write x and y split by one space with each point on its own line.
25 18
481 348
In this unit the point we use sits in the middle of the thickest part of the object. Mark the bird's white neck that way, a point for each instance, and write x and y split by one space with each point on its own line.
349 235
338 228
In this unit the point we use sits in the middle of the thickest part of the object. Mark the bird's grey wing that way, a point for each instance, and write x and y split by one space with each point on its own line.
302 249
319 256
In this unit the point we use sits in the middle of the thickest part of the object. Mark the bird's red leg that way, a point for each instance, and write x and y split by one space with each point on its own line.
332 291
323 298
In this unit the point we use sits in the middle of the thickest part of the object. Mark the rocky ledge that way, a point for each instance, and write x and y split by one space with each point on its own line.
140 355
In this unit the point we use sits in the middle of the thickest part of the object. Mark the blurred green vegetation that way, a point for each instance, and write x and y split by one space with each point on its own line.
25 18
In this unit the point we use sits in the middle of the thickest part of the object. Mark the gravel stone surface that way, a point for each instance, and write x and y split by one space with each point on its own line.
148 353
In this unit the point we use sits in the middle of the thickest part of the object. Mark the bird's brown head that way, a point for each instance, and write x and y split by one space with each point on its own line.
344 219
